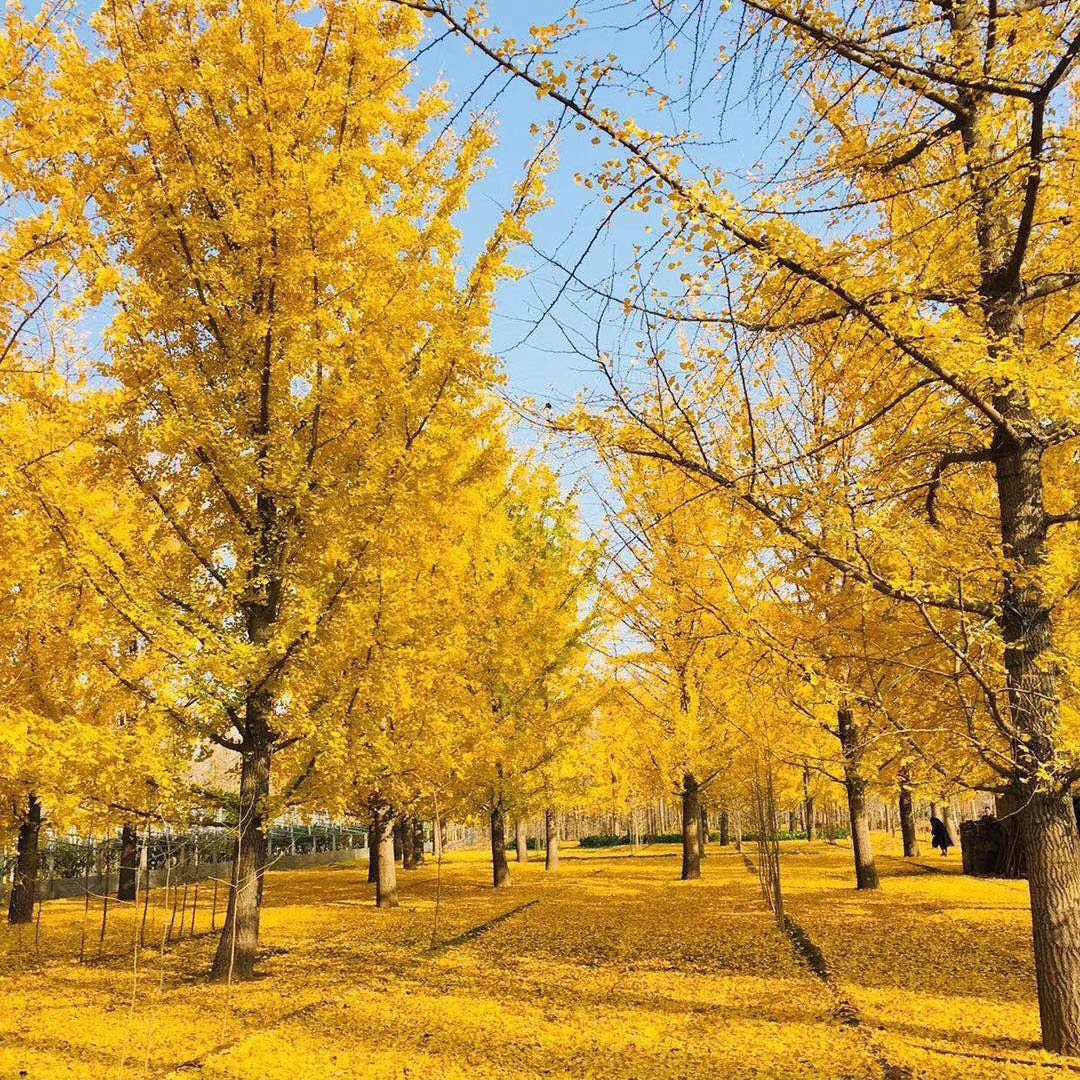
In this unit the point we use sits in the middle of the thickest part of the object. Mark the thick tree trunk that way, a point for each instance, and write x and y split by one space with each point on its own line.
907 817
807 804
866 876
24 883
127 887
386 878
500 870
1048 828
551 840
724 826
691 823
521 842
235 956
1052 848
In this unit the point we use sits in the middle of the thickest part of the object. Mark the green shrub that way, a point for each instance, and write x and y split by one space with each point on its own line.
603 840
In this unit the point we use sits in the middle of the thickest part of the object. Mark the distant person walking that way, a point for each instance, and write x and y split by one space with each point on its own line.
940 835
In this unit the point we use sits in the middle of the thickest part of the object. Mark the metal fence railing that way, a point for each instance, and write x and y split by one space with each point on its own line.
70 865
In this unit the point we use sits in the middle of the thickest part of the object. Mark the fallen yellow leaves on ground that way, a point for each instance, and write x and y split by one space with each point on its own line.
613 968
937 964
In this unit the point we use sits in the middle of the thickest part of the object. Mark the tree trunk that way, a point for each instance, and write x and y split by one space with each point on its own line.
436 836
374 832
386 879
691 823
907 817
950 824
406 835
500 871
521 842
1052 848
866 876
235 956
24 884
724 838
1048 827
127 886
807 804
418 841
703 832
551 840
239 941
398 841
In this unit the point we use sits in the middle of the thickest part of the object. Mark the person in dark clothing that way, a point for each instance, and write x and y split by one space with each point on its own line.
939 835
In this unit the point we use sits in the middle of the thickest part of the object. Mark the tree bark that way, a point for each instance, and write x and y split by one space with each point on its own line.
907 817
235 956
127 886
386 877
398 841
418 841
950 824
866 876
436 836
239 941
373 846
1048 827
24 883
808 804
500 870
1052 848
724 826
703 832
551 840
406 834
691 823
521 841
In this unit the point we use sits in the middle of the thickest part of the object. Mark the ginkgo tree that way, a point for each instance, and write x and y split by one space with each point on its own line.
270 219
531 624
681 568
393 694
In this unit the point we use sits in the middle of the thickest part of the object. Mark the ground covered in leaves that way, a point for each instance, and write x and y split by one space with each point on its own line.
612 969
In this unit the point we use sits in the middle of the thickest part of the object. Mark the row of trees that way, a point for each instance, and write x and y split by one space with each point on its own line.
258 499
845 418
